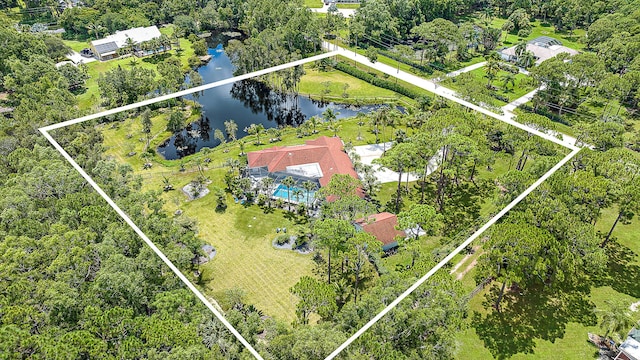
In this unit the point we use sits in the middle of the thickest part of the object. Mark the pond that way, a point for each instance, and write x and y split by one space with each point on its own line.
245 102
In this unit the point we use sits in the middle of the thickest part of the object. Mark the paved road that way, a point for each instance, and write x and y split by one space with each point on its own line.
447 94
510 107
466 69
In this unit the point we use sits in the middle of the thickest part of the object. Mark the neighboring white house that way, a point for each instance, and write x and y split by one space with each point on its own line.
107 48
542 48
630 348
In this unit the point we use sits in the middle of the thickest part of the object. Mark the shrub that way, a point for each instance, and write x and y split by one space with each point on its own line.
282 239
200 47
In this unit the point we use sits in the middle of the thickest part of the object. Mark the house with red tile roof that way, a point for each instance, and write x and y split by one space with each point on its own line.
383 227
317 159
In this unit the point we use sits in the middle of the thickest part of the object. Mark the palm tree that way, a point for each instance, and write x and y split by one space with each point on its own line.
259 131
145 47
175 39
374 121
165 42
330 116
130 45
521 48
314 121
288 182
527 59
491 69
335 128
96 29
309 186
487 15
361 122
154 45
617 319
508 78
267 184
297 193
241 144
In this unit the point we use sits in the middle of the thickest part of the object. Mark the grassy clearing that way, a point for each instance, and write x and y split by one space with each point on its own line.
313 3
76 45
358 91
522 84
347 6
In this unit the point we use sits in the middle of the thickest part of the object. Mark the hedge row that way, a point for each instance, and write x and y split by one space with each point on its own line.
544 111
389 54
374 80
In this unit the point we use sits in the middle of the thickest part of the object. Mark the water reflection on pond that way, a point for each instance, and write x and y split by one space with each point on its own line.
246 102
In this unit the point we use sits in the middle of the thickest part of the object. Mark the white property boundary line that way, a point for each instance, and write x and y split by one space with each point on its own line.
46 129
452 254
188 91
153 247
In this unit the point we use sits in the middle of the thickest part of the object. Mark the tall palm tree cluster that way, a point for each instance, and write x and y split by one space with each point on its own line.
151 47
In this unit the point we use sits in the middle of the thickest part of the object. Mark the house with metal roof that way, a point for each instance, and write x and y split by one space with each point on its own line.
107 48
542 48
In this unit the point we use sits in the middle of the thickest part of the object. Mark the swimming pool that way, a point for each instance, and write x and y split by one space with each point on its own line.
305 196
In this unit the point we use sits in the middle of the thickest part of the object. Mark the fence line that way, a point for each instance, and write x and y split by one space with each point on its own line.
480 287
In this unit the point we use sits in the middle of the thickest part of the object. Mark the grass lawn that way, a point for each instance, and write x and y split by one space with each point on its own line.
358 91
242 236
538 29
313 3
76 45
90 98
523 84
347 6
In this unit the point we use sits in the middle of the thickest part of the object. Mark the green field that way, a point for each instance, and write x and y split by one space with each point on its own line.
358 91
76 45
347 6
313 3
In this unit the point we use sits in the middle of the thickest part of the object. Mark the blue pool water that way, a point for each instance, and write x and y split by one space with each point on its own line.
305 197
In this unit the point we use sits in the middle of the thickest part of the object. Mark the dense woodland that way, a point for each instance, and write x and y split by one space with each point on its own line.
78 283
